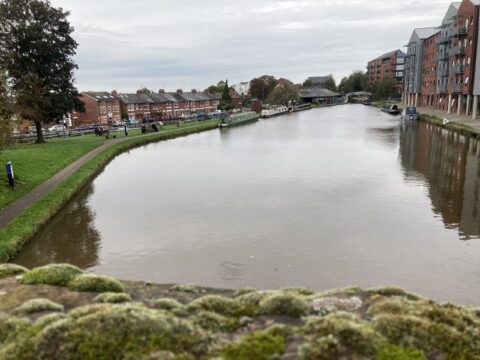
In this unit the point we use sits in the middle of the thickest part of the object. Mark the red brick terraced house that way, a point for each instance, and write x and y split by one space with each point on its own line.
100 108
429 76
136 106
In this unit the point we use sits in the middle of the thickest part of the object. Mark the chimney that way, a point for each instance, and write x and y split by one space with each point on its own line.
161 91
194 91
114 92
179 91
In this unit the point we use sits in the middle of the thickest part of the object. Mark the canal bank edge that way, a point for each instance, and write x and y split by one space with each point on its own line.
62 311
21 229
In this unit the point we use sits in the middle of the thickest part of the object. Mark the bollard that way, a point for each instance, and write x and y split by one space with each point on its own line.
10 175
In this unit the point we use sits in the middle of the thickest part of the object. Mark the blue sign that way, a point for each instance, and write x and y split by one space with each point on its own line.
11 176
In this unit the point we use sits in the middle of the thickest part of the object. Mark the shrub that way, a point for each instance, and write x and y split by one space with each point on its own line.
113 298
243 291
299 291
284 304
191 289
167 304
38 305
214 322
392 352
95 283
11 270
55 274
259 345
394 291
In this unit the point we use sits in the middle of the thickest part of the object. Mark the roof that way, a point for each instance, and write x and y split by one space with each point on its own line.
424 33
389 54
99 95
316 92
319 79
135 98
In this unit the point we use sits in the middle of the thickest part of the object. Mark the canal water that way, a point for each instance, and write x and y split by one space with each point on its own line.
324 199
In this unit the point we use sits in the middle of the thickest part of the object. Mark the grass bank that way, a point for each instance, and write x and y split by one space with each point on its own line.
453 126
44 314
20 230
35 163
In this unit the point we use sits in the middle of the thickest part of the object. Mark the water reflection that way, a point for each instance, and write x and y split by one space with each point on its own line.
449 165
70 237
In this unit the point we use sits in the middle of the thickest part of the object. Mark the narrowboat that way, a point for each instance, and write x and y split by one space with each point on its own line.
236 120
391 109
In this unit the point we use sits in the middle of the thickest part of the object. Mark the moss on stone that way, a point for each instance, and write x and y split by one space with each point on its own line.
326 347
167 304
96 283
55 274
218 304
243 291
136 330
11 327
214 322
49 319
392 352
7 270
250 302
299 291
399 306
258 345
284 304
189 289
394 291
347 291
340 333
38 305
113 298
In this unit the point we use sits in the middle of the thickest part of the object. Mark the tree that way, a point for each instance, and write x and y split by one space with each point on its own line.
308 82
283 93
36 51
358 81
226 100
6 112
213 89
383 89
144 90
261 87
330 84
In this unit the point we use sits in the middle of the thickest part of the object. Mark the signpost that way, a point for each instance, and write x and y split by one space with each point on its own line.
10 174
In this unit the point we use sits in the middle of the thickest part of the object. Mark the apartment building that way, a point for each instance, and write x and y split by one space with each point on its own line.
389 65
429 71
412 82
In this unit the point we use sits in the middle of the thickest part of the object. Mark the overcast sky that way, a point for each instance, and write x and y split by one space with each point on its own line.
194 43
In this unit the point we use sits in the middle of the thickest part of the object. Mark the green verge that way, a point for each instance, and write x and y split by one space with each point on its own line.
453 126
21 229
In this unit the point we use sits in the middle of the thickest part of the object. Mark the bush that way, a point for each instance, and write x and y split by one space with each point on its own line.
55 274
113 298
215 303
38 305
191 289
95 283
11 270
167 304
214 322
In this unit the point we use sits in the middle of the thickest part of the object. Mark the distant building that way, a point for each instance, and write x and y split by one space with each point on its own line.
389 65
319 81
237 100
316 94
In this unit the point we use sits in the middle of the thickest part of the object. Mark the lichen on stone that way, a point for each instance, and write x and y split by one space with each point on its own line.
55 274
326 305
95 283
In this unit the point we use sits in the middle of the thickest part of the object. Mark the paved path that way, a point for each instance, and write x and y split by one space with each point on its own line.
460 119
19 206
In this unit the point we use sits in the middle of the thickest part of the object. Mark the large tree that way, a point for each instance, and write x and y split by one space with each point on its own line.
6 112
283 93
330 84
226 100
37 50
260 88
144 90
358 81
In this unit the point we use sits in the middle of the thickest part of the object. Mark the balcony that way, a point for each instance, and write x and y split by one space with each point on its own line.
459 51
442 39
442 57
457 88
459 69
442 89
443 72
459 31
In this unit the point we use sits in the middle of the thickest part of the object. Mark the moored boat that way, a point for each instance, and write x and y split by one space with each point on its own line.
240 119
391 109
302 107
275 111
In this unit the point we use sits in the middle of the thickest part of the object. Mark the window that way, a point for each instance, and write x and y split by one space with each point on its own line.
103 109
466 80
146 107
131 107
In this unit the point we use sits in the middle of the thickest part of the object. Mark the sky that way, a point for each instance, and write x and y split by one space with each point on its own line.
173 44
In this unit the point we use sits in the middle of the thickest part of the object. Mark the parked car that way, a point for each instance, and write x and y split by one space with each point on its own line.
57 129
132 122
410 113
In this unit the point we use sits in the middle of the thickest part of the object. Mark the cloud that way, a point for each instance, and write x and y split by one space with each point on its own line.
186 43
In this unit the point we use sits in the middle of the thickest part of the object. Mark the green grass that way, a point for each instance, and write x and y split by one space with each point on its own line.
21 229
35 163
